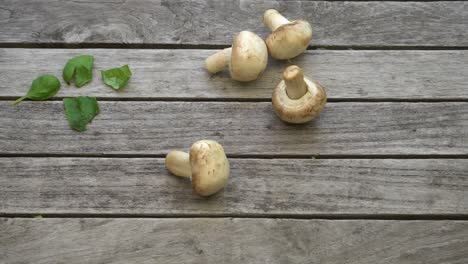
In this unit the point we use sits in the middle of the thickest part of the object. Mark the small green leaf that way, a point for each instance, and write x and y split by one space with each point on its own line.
42 88
80 111
79 68
117 78
38 216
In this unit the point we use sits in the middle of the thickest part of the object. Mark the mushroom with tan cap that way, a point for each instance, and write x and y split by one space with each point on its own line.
288 39
247 58
297 99
206 165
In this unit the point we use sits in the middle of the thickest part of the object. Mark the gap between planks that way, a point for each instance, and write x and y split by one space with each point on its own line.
97 45
253 100
234 156
382 217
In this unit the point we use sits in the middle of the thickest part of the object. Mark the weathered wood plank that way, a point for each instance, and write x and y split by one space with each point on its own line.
231 241
215 22
257 186
243 129
181 73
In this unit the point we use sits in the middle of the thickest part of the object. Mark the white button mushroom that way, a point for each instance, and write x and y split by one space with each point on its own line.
247 58
206 165
297 99
288 39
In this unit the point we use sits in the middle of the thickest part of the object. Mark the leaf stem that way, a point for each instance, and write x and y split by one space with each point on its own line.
19 100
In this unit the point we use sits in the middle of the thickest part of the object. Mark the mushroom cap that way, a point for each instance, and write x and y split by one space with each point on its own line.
300 110
289 40
210 167
249 57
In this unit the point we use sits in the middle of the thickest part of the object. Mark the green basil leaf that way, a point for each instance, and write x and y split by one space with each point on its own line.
42 88
80 111
79 68
117 78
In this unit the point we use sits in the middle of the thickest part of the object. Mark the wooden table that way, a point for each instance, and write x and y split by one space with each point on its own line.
380 177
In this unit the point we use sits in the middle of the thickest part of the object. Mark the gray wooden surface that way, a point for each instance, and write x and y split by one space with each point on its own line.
248 128
215 22
359 74
390 147
264 187
232 241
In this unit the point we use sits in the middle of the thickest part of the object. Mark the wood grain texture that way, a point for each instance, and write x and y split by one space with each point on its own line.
256 187
231 241
242 128
216 22
181 73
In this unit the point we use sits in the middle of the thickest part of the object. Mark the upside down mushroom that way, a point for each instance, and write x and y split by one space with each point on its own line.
298 99
206 165
288 39
247 58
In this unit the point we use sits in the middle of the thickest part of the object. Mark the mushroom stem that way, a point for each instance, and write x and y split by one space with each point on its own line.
178 163
296 87
218 61
273 19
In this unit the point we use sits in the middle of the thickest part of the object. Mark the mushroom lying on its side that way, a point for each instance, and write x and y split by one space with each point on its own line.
297 99
247 58
206 165
288 39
